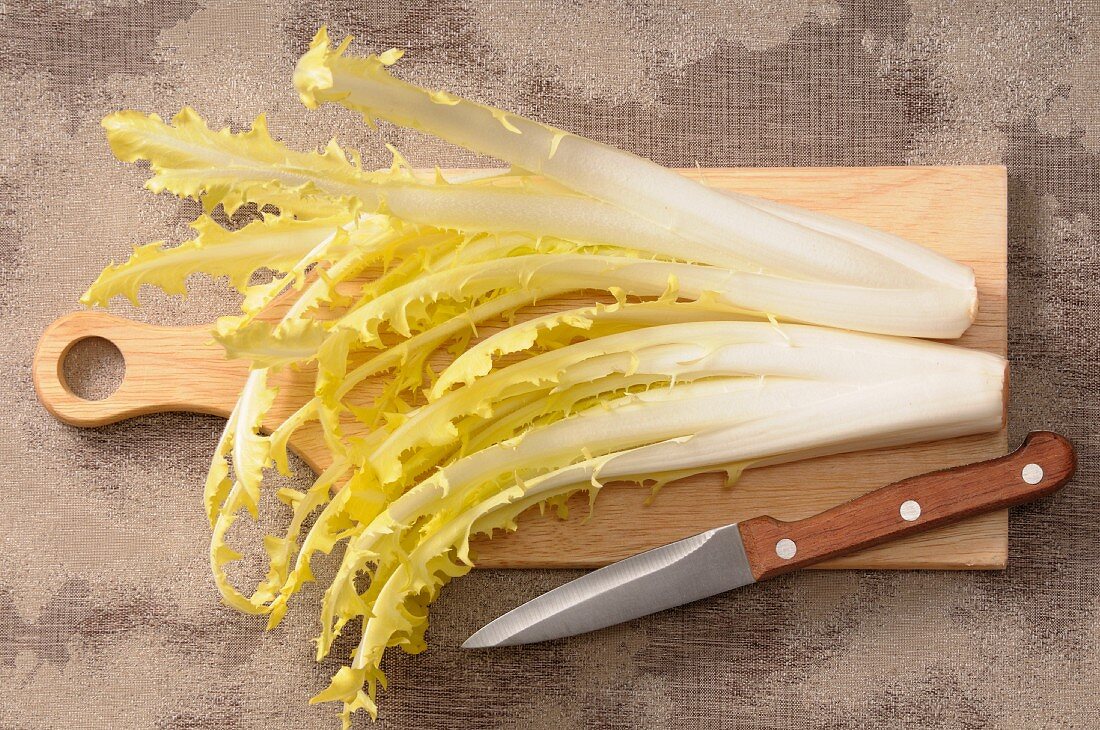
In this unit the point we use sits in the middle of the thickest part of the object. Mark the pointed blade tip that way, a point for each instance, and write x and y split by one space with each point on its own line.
472 643
478 640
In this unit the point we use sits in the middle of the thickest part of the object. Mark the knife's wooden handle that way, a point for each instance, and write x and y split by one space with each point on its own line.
1039 467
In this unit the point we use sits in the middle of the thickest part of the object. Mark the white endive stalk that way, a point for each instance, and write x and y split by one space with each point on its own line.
593 321
843 306
931 264
485 207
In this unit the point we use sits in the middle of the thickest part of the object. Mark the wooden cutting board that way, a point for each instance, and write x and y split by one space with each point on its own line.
960 211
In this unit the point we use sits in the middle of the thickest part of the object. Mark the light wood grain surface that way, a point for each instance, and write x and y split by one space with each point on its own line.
960 211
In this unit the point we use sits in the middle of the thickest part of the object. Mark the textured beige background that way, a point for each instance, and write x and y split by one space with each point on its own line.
107 611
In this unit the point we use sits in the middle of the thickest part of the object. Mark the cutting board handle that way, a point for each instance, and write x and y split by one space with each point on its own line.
167 369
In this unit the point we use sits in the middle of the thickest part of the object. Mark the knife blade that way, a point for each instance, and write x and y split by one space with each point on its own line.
736 555
686 570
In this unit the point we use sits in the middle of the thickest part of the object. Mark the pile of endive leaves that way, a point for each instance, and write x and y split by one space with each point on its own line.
741 333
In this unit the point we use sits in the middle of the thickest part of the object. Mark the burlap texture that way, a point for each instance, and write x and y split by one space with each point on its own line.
108 616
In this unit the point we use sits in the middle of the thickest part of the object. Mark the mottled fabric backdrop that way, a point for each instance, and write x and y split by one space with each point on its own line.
108 616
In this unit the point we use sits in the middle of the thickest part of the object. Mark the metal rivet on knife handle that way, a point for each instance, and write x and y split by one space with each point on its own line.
1032 473
786 548
910 510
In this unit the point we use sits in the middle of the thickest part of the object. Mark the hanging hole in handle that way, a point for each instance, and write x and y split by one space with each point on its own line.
93 368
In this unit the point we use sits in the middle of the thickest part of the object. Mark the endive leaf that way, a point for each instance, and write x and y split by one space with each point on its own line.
223 168
274 242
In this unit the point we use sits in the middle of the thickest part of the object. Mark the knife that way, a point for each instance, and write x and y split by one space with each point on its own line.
736 555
